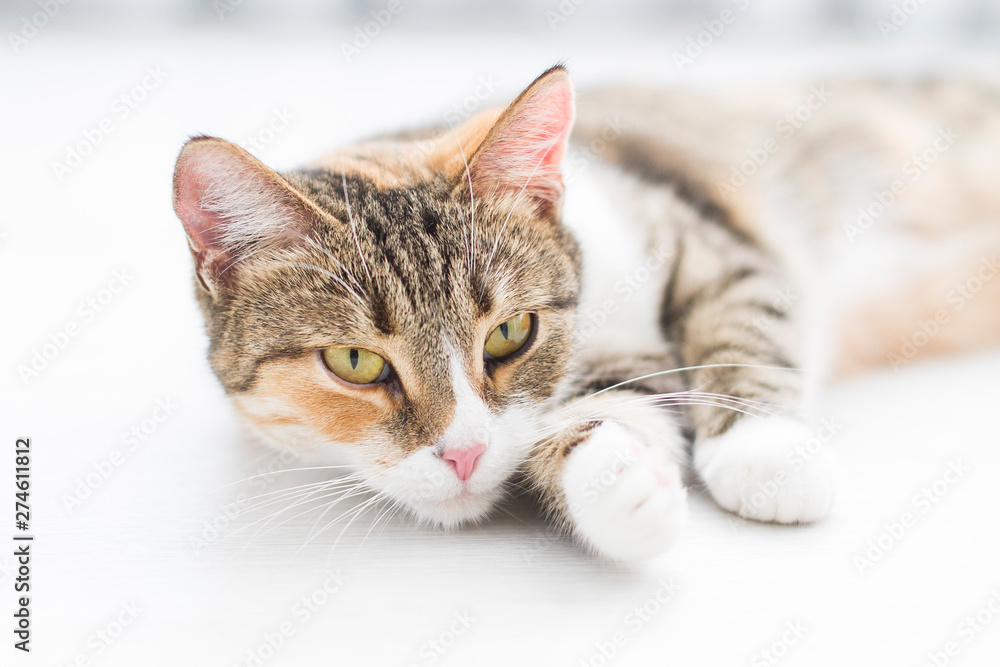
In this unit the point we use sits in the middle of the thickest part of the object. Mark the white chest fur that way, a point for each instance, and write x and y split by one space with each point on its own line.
624 273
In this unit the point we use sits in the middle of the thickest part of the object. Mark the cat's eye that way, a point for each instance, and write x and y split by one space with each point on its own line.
509 337
354 365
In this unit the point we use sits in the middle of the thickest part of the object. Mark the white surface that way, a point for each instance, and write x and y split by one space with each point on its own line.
534 599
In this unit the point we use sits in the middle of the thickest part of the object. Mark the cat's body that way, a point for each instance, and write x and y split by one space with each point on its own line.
809 172
646 296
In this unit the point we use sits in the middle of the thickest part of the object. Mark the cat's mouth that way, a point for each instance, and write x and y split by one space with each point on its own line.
463 505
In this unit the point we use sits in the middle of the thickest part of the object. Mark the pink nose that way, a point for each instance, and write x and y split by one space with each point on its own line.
464 460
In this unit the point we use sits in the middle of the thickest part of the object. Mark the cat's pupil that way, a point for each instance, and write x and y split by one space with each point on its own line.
354 359
503 331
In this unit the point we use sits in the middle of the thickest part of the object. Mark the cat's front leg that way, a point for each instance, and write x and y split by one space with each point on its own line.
764 468
608 471
741 344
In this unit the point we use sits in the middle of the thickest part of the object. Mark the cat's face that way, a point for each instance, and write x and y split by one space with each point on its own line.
406 306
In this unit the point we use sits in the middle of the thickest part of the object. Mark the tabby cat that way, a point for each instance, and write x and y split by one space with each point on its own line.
458 312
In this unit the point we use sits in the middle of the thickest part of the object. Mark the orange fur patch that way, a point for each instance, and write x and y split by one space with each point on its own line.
296 391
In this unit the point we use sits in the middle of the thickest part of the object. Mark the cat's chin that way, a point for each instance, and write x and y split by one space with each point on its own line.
463 508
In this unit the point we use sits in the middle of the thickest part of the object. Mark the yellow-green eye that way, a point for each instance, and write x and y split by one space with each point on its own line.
355 365
509 337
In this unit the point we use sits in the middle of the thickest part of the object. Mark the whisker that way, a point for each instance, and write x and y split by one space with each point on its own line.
283 470
690 368
471 240
280 495
359 490
354 228
389 509
329 255
297 500
357 512
503 227
340 495
397 509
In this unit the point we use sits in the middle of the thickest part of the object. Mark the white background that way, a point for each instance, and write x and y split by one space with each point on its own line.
209 596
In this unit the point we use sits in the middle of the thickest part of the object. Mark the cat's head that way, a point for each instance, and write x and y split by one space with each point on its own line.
406 303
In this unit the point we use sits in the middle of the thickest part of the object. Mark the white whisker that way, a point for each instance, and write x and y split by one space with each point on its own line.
354 228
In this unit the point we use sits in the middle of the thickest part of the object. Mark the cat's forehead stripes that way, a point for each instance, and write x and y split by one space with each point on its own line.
414 245
422 244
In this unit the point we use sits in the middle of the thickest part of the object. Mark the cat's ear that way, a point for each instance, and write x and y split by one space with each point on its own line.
522 152
232 205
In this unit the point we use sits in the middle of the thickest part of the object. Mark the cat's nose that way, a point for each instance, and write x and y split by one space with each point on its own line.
464 459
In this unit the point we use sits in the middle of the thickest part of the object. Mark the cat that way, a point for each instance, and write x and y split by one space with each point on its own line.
603 298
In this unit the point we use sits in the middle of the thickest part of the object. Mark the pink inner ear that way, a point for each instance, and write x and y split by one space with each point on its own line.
191 181
546 122
197 167
527 153
231 205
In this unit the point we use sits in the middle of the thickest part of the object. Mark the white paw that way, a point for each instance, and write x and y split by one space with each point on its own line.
625 499
768 469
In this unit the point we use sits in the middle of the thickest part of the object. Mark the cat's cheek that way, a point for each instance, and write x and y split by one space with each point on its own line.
293 399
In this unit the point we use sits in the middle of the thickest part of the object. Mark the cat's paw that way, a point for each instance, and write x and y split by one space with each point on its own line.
766 470
625 500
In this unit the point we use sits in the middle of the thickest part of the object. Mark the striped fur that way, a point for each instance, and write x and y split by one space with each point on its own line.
675 308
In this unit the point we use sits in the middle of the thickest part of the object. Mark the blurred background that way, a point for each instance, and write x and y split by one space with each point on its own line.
772 22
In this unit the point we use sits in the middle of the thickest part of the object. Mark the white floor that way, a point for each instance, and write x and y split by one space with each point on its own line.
145 562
